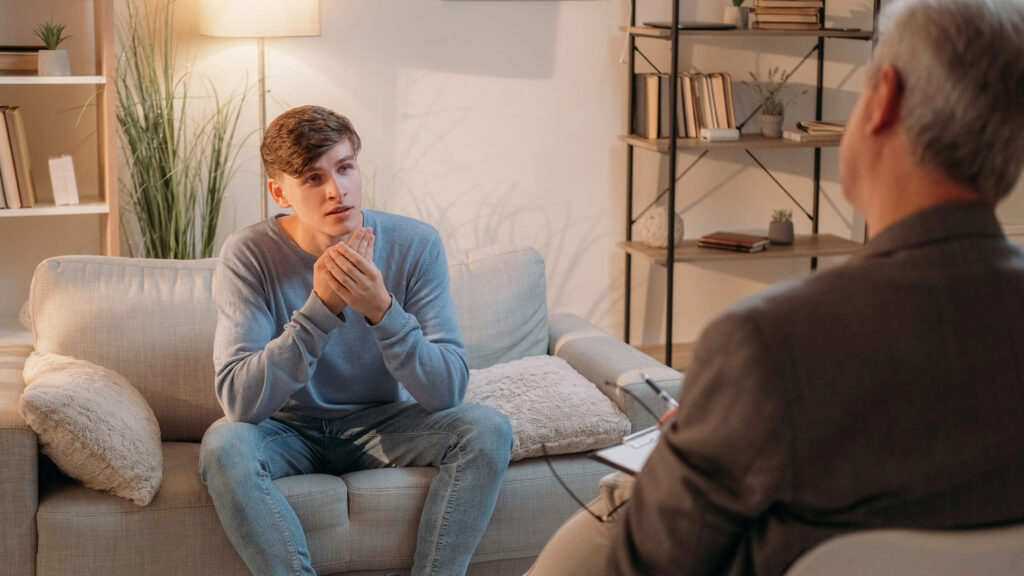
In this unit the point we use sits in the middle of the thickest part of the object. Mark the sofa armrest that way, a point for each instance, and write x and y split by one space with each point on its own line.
19 475
614 366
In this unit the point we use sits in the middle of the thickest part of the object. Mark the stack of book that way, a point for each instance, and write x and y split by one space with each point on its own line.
787 14
702 101
19 60
17 187
733 241
815 131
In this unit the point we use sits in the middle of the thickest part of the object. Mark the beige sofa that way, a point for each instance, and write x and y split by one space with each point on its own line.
153 322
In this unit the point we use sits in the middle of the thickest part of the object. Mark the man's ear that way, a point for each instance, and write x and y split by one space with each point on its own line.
886 100
277 193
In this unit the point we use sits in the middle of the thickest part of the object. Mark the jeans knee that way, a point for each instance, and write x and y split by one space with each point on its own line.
491 433
226 450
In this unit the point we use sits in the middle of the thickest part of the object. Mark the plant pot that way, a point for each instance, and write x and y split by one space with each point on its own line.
780 232
54 63
771 126
737 15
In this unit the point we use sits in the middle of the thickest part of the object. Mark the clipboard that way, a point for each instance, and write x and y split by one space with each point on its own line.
632 453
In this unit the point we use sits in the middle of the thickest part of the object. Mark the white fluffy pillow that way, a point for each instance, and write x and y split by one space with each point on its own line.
549 403
94 425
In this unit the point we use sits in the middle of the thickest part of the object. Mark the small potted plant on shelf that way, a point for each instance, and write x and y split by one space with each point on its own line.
737 14
772 95
52 62
780 229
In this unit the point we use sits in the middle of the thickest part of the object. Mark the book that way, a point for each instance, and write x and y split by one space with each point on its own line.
687 119
801 136
650 111
691 25
733 241
789 3
664 101
721 89
813 11
7 171
705 101
786 18
785 26
22 162
821 126
19 60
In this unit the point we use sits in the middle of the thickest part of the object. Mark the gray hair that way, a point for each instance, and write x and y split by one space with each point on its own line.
961 64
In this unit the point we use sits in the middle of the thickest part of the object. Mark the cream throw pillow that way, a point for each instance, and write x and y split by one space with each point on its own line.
549 403
94 425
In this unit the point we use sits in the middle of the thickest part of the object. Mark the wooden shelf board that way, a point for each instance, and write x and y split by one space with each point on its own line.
746 141
805 246
682 353
51 210
50 80
665 33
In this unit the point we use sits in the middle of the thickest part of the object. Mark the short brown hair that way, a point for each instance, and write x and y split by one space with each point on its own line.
298 138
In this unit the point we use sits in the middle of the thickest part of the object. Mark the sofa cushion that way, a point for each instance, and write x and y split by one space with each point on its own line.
500 296
94 425
150 320
550 406
89 533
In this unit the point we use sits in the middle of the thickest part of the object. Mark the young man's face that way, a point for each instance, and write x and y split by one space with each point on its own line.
327 200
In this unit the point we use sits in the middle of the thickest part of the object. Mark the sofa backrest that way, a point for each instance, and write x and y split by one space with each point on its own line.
153 321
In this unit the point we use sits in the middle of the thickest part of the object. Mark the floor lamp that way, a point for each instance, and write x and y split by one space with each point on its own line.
260 19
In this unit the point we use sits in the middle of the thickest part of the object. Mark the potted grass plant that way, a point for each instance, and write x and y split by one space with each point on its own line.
52 60
780 229
180 155
737 14
774 98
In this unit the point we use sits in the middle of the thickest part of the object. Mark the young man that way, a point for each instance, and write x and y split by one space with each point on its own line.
886 392
337 349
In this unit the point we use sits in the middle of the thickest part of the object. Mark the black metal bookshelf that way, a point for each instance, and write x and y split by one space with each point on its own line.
811 247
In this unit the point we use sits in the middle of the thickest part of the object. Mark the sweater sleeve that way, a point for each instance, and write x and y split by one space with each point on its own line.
720 464
258 370
421 342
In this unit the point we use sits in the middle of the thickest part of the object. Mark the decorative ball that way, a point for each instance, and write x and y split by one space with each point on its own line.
653 228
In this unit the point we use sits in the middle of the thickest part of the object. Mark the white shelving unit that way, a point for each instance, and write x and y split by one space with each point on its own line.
46 97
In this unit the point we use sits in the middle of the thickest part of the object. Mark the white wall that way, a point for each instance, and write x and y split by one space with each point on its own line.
496 121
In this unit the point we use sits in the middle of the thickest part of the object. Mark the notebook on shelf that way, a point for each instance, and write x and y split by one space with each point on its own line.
734 241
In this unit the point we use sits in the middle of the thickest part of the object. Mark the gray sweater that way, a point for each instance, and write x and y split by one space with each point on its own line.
279 351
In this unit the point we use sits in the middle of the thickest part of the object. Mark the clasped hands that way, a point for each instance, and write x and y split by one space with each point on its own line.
345 276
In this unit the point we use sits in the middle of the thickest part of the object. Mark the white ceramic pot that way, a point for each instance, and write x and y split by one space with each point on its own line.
780 232
736 15
771 126
54 63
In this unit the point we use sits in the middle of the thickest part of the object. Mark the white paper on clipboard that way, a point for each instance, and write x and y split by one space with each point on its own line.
632 453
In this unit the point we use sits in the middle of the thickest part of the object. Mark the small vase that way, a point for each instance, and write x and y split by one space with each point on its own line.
54 63
771 126
736 15
653 228
780 232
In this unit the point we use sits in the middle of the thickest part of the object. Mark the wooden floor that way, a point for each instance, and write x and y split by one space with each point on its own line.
682 353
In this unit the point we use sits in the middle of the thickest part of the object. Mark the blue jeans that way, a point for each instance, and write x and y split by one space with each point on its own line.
469 444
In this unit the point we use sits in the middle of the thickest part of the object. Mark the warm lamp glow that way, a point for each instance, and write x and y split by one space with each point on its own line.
259 18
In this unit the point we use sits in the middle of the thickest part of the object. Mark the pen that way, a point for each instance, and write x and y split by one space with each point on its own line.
661 393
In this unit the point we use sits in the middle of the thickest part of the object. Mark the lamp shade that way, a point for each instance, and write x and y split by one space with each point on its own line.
259 18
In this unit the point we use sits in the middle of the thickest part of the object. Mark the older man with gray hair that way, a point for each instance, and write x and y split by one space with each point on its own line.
886 392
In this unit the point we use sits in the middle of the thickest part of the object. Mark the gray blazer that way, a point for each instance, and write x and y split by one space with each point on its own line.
885 392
